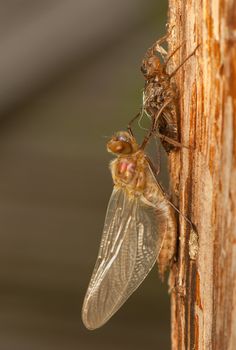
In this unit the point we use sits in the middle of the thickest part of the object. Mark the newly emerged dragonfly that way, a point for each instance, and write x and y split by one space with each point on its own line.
140 229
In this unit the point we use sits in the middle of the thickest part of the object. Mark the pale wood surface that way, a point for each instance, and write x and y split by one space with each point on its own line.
204 178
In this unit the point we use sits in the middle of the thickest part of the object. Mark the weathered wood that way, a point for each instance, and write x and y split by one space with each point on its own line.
203 287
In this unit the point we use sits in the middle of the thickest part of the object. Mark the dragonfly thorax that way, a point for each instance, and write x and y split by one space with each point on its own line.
129 172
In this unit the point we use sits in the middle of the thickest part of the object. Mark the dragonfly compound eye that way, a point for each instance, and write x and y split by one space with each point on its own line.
122 143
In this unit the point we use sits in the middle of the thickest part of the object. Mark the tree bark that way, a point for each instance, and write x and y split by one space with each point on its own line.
203 278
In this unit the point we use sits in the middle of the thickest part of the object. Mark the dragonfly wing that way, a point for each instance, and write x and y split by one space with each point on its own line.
148 245
128 251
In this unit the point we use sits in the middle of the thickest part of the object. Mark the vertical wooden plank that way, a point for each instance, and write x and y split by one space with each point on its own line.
203 290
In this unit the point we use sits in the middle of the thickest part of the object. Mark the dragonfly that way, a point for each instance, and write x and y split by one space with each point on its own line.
160 94
139 229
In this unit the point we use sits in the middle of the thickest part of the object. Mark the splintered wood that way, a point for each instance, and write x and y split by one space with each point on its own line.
203 288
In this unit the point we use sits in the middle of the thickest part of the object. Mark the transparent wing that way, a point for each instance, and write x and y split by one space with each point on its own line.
129 249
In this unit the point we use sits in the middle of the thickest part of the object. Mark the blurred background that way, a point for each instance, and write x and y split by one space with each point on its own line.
70 77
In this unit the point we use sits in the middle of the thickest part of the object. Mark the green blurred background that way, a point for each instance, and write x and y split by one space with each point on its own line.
70 77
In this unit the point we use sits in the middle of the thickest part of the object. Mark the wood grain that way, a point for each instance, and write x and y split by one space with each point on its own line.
203 287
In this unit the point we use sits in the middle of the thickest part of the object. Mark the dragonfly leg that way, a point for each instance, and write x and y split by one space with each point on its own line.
172 142
156 47
154 124
165 37
184 61
174 52
177 209
131 122
155 170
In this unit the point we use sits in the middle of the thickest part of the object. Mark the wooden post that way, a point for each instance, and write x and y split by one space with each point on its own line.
203 279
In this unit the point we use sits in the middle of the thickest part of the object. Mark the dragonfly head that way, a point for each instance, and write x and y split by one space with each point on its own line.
122 143
151 67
